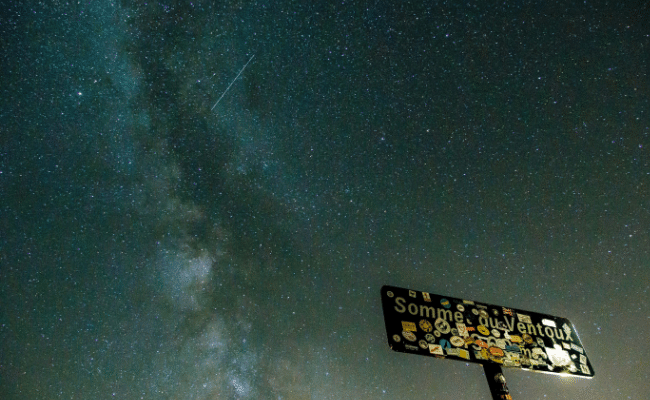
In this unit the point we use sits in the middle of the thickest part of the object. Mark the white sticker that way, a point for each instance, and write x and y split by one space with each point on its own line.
549 322
577 348
558 357
436 349
462 330
537 351
442 326
585 369
453 351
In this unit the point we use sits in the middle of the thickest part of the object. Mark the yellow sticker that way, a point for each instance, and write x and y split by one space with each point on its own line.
483 330
409 326
426 325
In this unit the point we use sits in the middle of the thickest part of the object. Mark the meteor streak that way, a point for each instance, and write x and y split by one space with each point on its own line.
233 81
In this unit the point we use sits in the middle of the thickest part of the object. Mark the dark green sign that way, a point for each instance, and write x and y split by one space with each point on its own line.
445 327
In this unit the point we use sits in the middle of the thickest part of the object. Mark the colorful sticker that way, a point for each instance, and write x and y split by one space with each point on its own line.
483 330
507 311
513 349
426 296
462 330
397 338
409 326
445 303
426 325
495 351
436 349
527 338
408 335
457 341
412 293
517 339
481 343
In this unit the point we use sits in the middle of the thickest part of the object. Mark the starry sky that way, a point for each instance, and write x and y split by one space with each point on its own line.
158 244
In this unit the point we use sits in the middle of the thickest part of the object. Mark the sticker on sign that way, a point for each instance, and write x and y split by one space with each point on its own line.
464 329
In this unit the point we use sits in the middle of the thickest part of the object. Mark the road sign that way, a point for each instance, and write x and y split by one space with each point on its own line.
445 327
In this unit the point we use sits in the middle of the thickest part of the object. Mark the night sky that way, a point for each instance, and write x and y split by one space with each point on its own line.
156 246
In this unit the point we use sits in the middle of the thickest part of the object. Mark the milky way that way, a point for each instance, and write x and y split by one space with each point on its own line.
203 201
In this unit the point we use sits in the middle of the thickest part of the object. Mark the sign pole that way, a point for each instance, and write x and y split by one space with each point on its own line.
497 382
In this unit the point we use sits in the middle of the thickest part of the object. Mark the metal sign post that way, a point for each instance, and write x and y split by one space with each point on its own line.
445 327
497 382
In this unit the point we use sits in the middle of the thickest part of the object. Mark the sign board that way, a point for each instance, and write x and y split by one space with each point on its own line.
445 327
